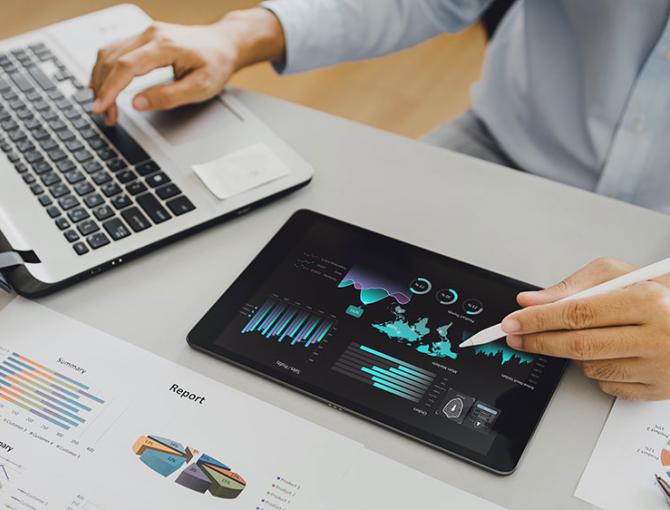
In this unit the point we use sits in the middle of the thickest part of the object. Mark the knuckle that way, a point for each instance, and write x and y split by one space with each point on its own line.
607 263
535 343
580 349
578 314
656 296
605 371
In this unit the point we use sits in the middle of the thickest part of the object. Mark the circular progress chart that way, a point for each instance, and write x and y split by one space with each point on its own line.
207 474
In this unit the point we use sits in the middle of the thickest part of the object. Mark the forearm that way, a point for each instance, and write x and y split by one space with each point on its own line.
258 34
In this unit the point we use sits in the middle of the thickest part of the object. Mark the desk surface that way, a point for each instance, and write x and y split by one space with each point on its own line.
506 221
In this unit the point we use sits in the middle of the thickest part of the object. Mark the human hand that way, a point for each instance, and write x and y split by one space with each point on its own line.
620 339
203 59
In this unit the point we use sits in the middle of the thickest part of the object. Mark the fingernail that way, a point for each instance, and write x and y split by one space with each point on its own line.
96 106
141 103
515 341
510 325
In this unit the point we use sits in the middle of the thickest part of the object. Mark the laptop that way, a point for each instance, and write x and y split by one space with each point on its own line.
77 197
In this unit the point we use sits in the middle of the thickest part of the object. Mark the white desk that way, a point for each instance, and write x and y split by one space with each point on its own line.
500 219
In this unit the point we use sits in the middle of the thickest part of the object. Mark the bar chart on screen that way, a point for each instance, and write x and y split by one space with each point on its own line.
288 322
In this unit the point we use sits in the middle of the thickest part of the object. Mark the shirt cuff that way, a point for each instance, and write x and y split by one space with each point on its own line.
312 34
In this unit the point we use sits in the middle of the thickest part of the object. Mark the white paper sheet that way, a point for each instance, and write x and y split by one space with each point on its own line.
620 473
241 171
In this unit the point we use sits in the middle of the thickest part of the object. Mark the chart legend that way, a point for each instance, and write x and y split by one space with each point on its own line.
45 393
384 372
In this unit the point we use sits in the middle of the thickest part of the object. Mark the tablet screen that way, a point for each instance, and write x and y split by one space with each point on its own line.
372 324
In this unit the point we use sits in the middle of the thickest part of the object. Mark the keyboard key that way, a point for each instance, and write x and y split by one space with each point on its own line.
83 96
56 155
68 202
41 134
103 212
80 248
180 205
57 124
116 164
71 236
122 141
59 190
71 114
83 188
45 200
65 165
101 178
63 104
41 78
82 155
29 179
110 189
167 191
125 176
78 214
97 240
21 167
24 114
135 219
37 189
92 166
40 105
41 167
88 133
135 188
74 145
25 146
87 227
74 176
62 223
97 143
65 135
116 229
94 200
53 211
16 135
157 179
48 144
22 82
33 156
50 178
106 154
153 208
121 201
81 123
32 124
146 168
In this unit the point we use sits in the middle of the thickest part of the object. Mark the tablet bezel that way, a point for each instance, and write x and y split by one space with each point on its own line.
499 459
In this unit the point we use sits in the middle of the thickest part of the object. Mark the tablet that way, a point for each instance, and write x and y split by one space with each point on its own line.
372 325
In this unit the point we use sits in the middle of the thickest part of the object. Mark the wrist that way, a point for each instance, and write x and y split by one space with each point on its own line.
256 35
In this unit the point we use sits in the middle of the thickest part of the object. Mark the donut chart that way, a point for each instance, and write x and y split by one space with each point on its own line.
207 474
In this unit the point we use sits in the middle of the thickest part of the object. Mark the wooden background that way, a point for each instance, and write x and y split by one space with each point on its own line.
408 93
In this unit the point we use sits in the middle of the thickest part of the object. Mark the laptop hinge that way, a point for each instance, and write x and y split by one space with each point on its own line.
8 259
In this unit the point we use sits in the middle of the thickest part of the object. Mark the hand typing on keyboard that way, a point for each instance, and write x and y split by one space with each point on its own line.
203 59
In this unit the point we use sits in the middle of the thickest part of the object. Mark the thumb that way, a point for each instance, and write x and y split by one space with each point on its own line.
594 273
192 88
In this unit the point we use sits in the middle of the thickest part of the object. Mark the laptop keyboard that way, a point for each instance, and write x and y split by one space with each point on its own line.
95 182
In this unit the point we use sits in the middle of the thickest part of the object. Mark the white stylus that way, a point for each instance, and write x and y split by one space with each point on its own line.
650 272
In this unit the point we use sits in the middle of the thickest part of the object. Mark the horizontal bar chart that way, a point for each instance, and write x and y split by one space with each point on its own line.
45 393
285 322
384 372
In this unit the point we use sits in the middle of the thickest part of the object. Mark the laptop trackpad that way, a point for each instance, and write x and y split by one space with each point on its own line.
193 123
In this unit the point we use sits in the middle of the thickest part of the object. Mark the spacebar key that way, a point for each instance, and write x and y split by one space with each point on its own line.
123 142
153 208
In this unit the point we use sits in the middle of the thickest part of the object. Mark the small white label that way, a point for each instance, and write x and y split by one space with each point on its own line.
241 170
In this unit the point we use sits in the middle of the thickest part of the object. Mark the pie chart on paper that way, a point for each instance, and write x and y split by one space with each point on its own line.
206 474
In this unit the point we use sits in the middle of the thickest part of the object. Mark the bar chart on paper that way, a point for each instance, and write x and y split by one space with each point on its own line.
286 322
45 393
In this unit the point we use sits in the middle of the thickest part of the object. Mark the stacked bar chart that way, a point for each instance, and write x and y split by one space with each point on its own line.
285 322
384 372
207 474
45 393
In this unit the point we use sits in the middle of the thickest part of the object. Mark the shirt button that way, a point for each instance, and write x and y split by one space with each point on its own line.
639 126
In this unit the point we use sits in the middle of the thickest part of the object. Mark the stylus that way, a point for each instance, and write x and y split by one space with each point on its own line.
649 272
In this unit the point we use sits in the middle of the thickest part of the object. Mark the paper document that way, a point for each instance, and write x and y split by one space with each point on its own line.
633 447
88 421
241 171
377 482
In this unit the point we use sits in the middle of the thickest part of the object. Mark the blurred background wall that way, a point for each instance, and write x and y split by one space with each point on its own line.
408 93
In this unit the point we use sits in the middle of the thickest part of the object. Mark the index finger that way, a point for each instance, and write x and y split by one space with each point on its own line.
135 63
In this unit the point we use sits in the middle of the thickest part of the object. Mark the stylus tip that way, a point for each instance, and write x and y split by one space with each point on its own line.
467 343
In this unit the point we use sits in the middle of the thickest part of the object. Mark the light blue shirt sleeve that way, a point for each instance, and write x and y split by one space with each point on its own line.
324 32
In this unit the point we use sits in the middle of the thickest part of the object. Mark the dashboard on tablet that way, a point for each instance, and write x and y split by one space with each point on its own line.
372 325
